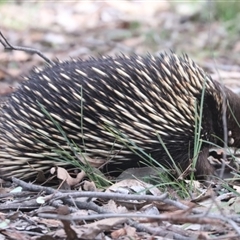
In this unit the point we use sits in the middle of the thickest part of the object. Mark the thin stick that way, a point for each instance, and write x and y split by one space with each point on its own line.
10 47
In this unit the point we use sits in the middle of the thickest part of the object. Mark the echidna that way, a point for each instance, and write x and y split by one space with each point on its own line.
140 99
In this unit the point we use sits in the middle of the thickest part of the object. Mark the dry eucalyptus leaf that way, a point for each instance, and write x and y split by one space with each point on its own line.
134 186
89 186
71 234
63 210
111 206
65 177
93 229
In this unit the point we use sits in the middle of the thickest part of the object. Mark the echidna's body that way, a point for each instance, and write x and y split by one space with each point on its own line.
143 98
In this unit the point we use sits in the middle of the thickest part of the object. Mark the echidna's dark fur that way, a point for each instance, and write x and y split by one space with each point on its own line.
141 97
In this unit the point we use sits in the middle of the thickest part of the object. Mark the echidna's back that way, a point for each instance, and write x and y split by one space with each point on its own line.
107 107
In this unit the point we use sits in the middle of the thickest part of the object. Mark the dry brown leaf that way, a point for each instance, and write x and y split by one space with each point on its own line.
111 206
166 207
93 229
13 234
206 194
63 175
71 234
134 186
50 223
131 231
89 186
119 233
63 210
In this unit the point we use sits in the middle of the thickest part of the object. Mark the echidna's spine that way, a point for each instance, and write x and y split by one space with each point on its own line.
142 98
